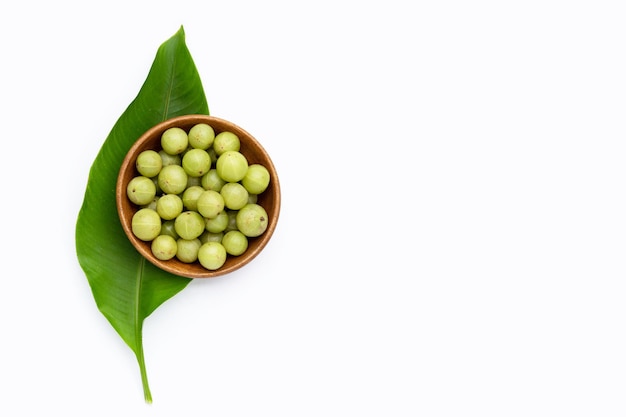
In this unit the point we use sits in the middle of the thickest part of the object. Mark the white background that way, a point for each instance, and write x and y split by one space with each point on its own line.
452 235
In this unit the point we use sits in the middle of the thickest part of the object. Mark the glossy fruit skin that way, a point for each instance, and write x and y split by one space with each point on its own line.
196 162
194 181
218 223
210 203
235 195
235 242
169 206
172 179
212 255
149 163
211 237
226 141
189 225
232 220
201 136
168 227
212 181
257 179
169 159
187 250
252 220
141 190
190 197
174 140
164 247
146 224
231 166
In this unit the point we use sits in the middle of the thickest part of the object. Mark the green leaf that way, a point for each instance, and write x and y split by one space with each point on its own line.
125 286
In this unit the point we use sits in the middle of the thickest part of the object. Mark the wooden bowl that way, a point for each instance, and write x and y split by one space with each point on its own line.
254 152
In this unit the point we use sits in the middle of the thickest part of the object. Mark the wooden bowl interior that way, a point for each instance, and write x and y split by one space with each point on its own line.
254 152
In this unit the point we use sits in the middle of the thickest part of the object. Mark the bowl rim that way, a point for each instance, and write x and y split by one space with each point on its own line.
174 266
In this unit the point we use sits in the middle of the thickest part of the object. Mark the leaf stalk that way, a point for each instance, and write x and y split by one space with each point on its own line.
144 375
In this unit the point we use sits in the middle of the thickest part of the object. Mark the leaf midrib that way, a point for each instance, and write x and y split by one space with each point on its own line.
137 319
169 91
